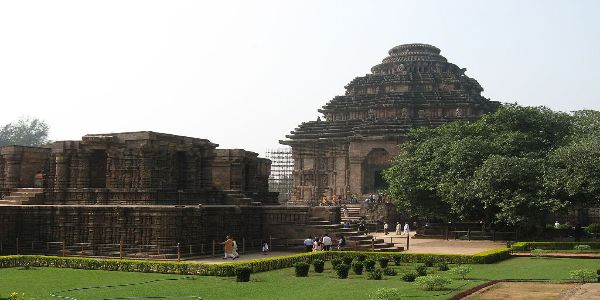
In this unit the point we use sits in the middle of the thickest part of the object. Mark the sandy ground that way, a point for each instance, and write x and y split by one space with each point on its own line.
524 291
588 291
441 246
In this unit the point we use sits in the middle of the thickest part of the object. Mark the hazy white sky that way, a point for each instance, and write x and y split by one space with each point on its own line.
245 73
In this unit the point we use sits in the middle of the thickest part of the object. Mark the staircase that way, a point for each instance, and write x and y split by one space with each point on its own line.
23 196
353 213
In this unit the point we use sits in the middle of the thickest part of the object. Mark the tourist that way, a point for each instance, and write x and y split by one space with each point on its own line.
398 228
341 242
385 228
265 248
556 225
327 242
346 212
406 228
317 246
228 247
346 225
308 243
234 252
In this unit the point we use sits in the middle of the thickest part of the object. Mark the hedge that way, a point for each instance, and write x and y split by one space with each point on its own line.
229 269
528 246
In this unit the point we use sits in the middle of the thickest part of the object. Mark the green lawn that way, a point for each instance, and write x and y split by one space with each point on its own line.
279 284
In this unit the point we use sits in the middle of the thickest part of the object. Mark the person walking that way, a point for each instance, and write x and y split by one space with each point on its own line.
327 242
406 228
385 228
309 244
341 242
228 247
398 228
265 248
234 251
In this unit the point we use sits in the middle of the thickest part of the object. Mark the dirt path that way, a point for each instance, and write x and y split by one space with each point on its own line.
588 291
524 291
441 246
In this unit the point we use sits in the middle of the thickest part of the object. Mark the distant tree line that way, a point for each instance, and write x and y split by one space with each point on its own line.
515 166
24 132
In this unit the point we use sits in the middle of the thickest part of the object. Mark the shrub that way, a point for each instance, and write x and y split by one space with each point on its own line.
357 267
442 266
319 265
342 271
537 252
386 294
397 260
583 275
429 261
409 277
347 260
242 274
582 248
389 271
301 269
461 271
421 270
383 262
376 274
369 265
336 261
593 229
361 257
432 282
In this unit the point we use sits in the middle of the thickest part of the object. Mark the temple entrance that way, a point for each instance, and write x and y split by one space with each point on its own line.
98 169
376 161
180 172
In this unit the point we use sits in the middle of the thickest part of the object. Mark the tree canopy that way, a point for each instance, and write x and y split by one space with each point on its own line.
514 166
24 132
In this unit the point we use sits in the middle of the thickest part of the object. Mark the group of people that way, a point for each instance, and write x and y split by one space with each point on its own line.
230 247
399 230
324 243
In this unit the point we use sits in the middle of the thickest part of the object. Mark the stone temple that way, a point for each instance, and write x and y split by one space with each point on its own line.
345 153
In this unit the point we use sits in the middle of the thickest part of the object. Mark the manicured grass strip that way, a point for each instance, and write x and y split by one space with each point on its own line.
528 246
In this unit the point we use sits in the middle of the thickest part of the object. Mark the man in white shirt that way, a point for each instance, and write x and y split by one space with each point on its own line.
327 242
406 229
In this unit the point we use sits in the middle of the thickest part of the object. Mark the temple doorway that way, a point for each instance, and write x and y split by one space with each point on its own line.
98 169
376 161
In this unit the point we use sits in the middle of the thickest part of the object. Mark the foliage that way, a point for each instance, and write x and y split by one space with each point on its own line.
582 248
387 294
347 259
383 262
389 271
319 265
342 271
583 275
376 274
429 261
361 257
507 167
526 246
442 266
336 261
409 277
537 252
461 271
25 132
432 282
593 229
369 265
301 269
421 270
397 260
357 267
242 274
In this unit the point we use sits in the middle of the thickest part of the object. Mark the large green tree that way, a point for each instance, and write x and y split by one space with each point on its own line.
489 170
24 132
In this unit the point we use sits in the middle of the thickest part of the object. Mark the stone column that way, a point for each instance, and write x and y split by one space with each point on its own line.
13 170
356 176
83 178
62 172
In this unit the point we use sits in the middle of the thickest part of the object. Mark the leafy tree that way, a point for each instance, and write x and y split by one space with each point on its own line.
25 132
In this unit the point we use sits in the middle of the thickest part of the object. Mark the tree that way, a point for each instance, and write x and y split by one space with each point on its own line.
25 132
490 169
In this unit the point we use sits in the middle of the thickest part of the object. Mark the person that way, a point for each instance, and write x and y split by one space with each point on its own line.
265 248
38 179
308 243
327 242
346 225
317 245
346 212
398 228
228 247
556 225
385 228
234 252
406 228
341 242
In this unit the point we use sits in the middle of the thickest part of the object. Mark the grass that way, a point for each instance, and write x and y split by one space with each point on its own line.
279 284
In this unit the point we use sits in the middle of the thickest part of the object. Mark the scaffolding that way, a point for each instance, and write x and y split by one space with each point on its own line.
281 178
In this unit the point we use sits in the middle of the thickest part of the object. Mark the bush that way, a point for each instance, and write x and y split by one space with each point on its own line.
583 275
421 270
461 271
582 248
386 294
319 265
383 262
389 271
432 282
537 252
361 257
242 274
357 267
301 269
397 260
527 246
429 261
375 275
442 266
593 229
409 277
347 260
369 265
336 261
342 271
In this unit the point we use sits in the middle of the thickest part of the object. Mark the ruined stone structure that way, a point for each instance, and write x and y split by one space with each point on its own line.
346 152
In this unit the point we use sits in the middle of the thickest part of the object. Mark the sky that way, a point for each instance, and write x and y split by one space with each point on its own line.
243 74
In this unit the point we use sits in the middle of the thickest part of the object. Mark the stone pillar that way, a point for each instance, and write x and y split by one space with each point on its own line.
13 170
356 176
62 172
83 178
